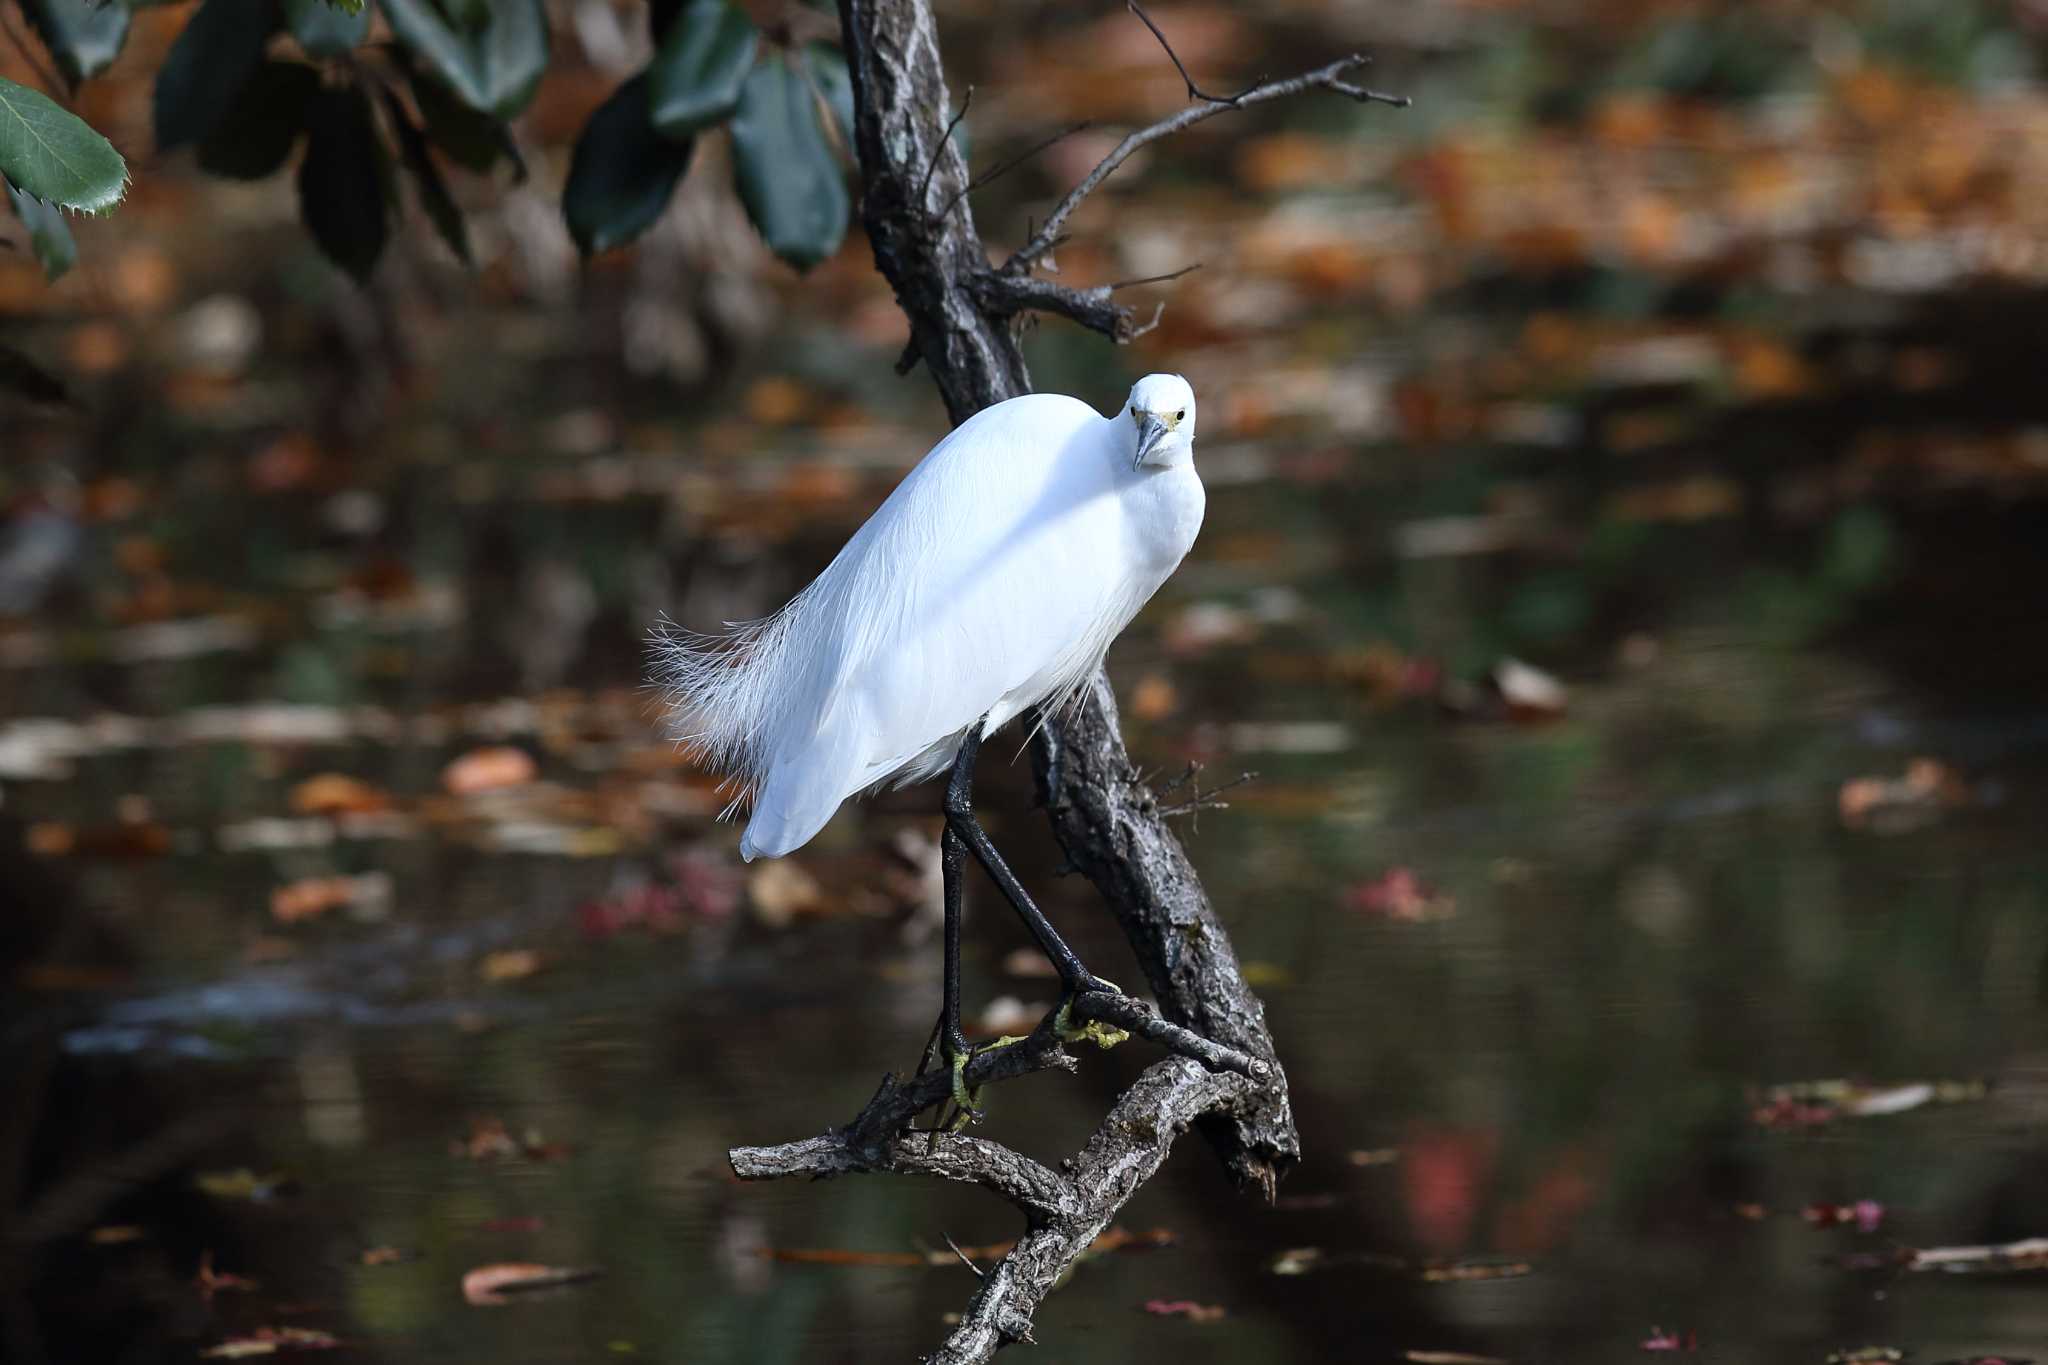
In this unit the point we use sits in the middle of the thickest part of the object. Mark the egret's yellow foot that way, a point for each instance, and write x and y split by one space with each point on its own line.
967 1101
1094 1031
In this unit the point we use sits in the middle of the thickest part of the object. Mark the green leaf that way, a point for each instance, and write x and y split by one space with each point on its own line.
471 139
788 178
468 14
259 130
84 37
696 76
496 68
828 68
441 208
622 173
48 234
347 6
342 181
52 154
321 30
217 50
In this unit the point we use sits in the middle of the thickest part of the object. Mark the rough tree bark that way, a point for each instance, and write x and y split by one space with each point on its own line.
960 308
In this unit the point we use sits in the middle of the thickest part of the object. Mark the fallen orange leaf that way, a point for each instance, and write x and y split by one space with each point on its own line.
492 1285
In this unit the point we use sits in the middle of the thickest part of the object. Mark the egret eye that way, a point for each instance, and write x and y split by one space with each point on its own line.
1181 416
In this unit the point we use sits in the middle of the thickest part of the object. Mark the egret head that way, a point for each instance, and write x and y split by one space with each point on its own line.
1162 413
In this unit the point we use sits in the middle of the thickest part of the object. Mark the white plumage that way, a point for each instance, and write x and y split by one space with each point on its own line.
992 579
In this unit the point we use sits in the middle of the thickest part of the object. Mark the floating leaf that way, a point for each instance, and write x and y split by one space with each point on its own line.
243 1184
790 181
1186 1308
1661 1340
695 79
48 234
263 125
440 206
323 29
338 794
494 68
269 1341
83 36
622 173
341 181
491 1285
218 49
2009 1258
51 153
489 769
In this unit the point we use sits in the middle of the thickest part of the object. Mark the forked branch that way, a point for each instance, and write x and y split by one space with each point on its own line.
1330 77
1064 1213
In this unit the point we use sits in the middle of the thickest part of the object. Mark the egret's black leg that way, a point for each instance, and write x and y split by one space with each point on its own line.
948 1043
960 822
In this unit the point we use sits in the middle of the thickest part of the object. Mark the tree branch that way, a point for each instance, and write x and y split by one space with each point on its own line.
1064 1213
1227 1080
1005 296
1330 77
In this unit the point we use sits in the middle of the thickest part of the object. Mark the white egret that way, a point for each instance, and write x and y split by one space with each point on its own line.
991 582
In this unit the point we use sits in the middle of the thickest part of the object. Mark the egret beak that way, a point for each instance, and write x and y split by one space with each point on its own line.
1150 432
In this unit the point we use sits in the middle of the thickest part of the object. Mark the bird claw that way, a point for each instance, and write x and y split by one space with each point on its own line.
1104 1036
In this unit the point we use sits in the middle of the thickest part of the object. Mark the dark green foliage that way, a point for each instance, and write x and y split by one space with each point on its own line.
622 174
470 139
49 236
83 36
258 133
323 30
342 181
218 50
494 68
789 179
49 152
439 205
695 79
470 15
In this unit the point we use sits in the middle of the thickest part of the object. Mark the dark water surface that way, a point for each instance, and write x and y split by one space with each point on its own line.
1630 917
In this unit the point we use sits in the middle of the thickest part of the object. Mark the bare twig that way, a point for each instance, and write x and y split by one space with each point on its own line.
1115 285
1200 801
945 140
1195 92
1329 77
1005 167
965 1259
1006 296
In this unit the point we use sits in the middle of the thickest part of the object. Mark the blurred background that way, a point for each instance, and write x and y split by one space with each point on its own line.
1628 481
